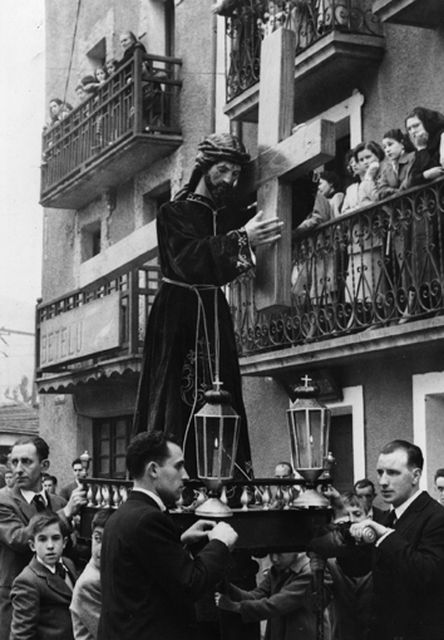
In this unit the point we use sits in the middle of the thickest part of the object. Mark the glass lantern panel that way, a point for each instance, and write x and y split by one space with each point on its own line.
216 443
316 450
229 438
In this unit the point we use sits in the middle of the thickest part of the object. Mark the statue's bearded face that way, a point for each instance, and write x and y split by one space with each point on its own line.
221 179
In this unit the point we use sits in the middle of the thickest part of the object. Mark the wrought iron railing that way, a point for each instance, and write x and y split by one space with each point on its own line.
141 97
250 20
377 266
136 288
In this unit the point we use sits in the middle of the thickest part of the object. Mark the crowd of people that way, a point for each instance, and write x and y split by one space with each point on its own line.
153 99
368 262
384 576
380 170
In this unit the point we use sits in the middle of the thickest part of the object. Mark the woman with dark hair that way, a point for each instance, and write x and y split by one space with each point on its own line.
395 172
330 187
153 97
425 128
351 199
369 156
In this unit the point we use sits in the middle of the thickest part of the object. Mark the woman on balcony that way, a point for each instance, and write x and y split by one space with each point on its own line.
153 95
426 131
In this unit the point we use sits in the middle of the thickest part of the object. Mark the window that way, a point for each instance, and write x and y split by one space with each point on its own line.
90 240
111 437
153 200
97 55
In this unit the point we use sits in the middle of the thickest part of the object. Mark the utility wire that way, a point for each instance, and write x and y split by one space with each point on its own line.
72 49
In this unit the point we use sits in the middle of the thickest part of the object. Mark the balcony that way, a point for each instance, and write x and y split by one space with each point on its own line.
336 41
416 13
379 268
130 122
96 331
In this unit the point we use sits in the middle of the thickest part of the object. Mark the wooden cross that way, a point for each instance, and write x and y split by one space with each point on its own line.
282 156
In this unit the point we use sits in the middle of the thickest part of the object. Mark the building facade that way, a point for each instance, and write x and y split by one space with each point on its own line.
106 168
305 81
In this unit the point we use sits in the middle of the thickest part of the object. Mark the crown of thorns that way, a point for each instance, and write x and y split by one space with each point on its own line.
219 147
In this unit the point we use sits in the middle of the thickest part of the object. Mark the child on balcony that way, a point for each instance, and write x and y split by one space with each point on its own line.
395 173
329 186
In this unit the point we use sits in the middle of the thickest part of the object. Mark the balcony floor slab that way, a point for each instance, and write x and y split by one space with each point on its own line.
109 168
365 345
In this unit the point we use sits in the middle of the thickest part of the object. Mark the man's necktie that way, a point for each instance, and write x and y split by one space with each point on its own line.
391 519
60 570
39 502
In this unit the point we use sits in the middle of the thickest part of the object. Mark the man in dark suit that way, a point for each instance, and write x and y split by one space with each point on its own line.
77 469
29 460
149 580
365 489
408 563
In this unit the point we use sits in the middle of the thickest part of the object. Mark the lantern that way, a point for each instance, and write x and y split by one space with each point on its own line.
217 434
309 426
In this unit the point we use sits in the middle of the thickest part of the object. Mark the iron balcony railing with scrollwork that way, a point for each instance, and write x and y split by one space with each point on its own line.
140 98
250 20
135 286
377 266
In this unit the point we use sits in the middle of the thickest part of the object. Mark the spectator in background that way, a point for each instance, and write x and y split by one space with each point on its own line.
283 470
329 186
55 105
101 75
81 94
65 110
425 129
439 485
50 483
86 601
77 469
369 156
395 175
29 460
111 67
365 489
9 479
41 593
284 598
351 199
350 565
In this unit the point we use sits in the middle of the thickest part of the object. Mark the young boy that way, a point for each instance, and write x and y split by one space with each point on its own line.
41 593
283 598
87 596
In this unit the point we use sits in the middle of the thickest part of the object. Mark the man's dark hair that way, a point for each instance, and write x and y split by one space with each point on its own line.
284 463
48 476
40 445
352 499
101 518
439 473
76 461
414 453
42 520
146 447
362 484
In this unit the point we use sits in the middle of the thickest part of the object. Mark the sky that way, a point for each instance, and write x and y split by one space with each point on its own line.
22 115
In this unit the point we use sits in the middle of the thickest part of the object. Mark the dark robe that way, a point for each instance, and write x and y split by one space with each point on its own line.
190 253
